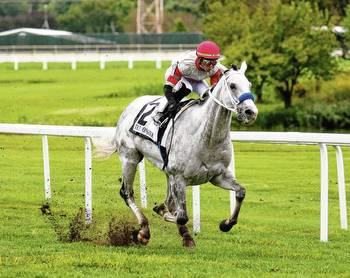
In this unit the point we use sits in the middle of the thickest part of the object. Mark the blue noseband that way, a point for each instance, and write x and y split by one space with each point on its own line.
246 96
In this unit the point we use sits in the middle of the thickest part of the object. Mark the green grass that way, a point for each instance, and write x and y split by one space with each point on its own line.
63 96
278 229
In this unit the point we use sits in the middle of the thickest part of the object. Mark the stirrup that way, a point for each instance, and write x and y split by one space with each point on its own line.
157 118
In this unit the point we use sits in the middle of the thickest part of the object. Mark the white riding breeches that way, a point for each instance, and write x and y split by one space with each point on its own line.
198 87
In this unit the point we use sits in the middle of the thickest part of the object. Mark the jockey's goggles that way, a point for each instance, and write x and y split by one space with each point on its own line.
209 62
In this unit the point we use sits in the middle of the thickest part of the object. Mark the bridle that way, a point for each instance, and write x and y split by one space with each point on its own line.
235 101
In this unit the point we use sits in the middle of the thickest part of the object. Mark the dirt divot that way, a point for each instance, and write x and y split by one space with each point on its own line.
120 231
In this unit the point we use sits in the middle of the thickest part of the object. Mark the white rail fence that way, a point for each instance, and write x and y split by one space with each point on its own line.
321 139
101 58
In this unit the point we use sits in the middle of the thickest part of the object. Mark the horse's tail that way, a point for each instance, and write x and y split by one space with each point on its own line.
105 146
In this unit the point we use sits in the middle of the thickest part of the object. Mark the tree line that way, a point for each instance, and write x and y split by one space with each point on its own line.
284 41
108 16
95 16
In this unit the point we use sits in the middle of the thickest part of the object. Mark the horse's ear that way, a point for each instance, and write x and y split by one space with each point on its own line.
234 67
243 67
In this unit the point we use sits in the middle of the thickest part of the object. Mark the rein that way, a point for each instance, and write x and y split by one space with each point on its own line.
234 100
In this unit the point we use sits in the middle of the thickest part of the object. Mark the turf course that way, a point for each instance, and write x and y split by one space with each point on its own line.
278 229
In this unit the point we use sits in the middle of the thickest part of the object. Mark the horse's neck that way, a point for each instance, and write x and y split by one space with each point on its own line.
217 122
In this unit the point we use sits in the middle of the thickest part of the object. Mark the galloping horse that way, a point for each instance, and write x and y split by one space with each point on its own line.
200 151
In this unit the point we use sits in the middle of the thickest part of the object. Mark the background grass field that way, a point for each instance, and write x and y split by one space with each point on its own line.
278 229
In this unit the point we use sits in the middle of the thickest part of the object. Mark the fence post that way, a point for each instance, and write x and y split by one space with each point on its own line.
130 64
324 194
45 66
74 64
46 160
341 188
102 64
233 193
16 65
143 188
88 181
196 207
158 64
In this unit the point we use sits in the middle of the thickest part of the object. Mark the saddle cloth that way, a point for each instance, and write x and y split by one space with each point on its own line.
145 127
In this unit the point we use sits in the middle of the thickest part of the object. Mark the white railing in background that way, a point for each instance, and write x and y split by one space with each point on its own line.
320 139
95 48
101 58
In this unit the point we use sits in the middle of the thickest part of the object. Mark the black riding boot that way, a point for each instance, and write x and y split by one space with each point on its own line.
173 99
169 94
168 112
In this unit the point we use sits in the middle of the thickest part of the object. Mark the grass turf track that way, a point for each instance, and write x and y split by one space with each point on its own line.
278 229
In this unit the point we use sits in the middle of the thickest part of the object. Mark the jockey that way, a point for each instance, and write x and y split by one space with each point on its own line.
187 74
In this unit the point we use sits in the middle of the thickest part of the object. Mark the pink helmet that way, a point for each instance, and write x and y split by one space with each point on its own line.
208 50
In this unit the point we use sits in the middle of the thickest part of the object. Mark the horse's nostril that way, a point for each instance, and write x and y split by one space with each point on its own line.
248 112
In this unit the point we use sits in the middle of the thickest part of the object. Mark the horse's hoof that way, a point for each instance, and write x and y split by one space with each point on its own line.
188 241
143 237
225 227
159 208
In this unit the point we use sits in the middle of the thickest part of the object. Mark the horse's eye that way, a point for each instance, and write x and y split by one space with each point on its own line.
233 86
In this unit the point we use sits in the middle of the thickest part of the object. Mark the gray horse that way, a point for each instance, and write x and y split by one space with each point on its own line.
200 151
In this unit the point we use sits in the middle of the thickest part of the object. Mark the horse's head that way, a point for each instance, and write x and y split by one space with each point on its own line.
236 96
239 88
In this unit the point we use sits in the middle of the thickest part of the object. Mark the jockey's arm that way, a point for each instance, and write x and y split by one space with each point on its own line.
174 78
215 77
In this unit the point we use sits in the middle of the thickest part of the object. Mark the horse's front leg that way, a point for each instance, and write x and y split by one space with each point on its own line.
228 182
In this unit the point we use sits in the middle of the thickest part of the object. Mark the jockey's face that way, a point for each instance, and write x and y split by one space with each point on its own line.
207 64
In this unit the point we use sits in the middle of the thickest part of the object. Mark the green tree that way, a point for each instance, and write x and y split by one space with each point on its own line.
92 16
246 39
58 7
335 7
22 13
13 9
280 42
346 36
302 46
188 6
179 26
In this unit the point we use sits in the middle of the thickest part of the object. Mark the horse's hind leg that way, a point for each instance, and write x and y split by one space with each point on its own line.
167 210
227 181
162 209
167 214
176 200
127 193
187 239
